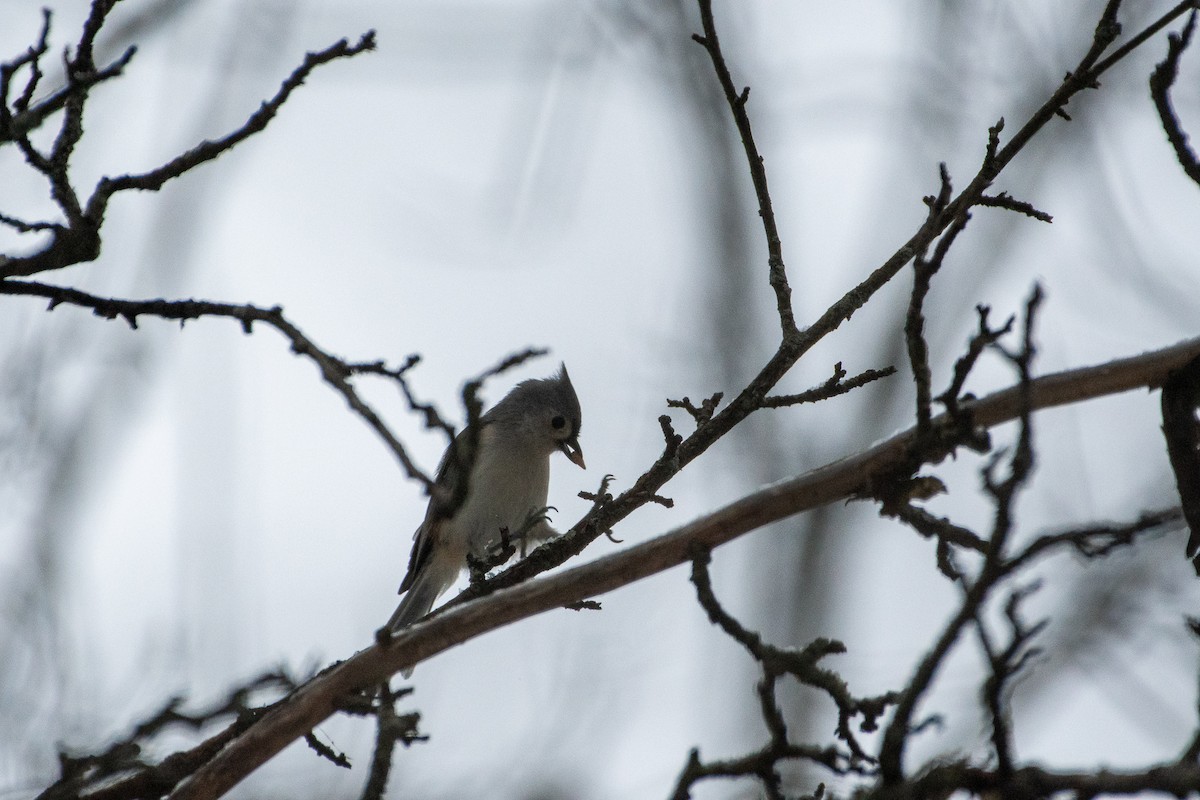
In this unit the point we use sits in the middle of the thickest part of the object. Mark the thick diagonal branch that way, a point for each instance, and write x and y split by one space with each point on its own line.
835 482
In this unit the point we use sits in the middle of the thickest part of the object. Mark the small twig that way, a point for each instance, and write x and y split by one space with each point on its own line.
154 179
31 58
391 728
800 664
937 203
382 369
934 527
333 370
1004 200
924 268
1161 81
1022 461
30 116
1096 540
79 239
983 338
835 386
119 772
992 150
583 605
702 414
936 437
1144 35
755 764
1004 667
325 751
658 499
671 439
1003 492
914 339
758 173
431 418
601 495
21 226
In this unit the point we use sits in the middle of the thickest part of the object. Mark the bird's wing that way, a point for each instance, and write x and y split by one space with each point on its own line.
448 481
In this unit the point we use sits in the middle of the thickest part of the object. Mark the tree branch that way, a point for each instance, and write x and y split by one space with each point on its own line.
458 624
334 371
758 174
78 240
792 348
1020 464
1161 81
1179 780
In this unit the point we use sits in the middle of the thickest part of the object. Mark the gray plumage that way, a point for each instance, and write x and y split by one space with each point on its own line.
509 482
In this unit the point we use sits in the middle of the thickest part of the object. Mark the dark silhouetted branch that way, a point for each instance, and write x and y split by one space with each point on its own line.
777 274
1161 81
1180 401
334 371
76 238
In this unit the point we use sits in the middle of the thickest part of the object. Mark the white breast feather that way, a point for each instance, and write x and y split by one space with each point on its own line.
508 483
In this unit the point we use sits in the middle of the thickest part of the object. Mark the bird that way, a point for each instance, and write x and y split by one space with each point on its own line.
506 491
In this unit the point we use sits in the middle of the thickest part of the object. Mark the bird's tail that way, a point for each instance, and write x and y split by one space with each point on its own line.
426 588
415 603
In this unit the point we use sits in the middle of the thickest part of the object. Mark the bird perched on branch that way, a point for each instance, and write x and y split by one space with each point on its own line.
505 493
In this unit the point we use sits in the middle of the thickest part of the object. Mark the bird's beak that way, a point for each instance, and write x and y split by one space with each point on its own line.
573 451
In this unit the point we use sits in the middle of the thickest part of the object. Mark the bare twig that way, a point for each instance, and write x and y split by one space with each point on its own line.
671 439
1096 540
391 728
78 240
120 771
940 528
802 664
837 384
983 338
334 371
1004 666
326 752
1161 81
701 414
1004 492
1003 200
777 663
206 151
924 269
758 173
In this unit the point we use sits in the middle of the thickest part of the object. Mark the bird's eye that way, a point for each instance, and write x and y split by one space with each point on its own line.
557 423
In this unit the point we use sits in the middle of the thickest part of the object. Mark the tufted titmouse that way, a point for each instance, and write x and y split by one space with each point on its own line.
507 489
